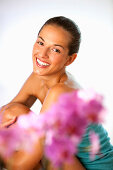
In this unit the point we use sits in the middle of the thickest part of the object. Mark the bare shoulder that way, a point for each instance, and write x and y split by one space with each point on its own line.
27 86
53 95
60 88
30 84
25 95
66 85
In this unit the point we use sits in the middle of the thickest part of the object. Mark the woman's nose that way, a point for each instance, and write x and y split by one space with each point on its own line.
44 53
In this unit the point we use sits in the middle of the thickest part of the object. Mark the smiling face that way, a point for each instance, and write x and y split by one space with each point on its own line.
50 51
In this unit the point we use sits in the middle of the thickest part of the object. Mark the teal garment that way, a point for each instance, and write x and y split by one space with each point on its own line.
104 159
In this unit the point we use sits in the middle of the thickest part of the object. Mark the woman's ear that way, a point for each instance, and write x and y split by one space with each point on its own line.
70 59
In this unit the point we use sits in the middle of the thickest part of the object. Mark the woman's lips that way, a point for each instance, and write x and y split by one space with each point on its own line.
41 64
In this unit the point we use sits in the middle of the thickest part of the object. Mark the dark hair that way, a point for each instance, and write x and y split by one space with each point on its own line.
69 26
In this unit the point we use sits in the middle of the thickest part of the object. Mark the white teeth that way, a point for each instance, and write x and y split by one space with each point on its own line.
42 63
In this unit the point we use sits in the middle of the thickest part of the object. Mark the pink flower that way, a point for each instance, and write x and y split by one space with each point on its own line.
70 117
94 108
63 126
27 121
66 115
95 145
32 123
60 150
94 111
72 102
9 141
4 136
16 138
86 103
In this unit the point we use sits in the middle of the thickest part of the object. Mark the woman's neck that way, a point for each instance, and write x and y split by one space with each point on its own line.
52 80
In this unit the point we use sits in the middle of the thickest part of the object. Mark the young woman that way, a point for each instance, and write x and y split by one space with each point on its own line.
56 47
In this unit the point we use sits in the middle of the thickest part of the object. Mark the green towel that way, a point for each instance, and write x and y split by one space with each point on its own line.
104 159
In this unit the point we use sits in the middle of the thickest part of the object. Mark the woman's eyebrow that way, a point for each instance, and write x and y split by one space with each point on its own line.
59 45
40 37
54 44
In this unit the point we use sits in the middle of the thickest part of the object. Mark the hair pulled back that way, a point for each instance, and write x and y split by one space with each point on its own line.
69 26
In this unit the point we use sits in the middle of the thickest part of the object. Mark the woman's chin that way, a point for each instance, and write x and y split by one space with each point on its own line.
39 73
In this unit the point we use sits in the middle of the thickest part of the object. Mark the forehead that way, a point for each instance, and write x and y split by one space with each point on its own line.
55 34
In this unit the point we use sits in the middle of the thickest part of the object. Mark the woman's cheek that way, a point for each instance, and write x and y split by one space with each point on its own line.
35 51
57 59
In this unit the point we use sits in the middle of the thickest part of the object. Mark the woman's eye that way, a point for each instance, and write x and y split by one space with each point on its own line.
56 50
40 43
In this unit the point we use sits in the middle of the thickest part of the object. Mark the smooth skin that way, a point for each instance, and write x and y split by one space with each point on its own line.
46 83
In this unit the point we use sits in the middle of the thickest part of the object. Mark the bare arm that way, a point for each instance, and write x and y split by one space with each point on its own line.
26 161
51 98
20 104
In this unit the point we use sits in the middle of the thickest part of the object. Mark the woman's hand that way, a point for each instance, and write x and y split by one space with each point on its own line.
10 113
8 123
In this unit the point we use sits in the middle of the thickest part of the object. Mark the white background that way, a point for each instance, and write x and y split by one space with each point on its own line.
20 21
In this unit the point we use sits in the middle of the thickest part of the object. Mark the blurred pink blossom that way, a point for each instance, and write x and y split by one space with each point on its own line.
60 150
12 139
94 108
63 126
70 116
